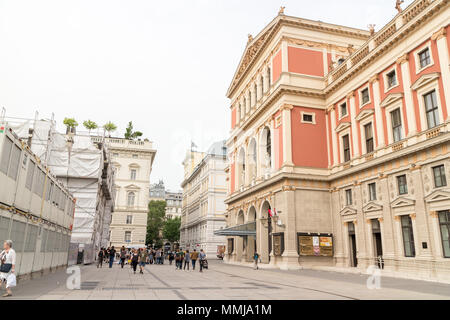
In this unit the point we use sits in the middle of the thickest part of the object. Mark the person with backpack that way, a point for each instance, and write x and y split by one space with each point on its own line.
171 257
194 257
203 262
134 260
177 259
100 258
256 259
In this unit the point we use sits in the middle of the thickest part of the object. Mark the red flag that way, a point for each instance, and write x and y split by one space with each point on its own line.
270 213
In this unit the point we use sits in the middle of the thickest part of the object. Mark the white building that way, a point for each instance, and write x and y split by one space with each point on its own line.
132 162
204 192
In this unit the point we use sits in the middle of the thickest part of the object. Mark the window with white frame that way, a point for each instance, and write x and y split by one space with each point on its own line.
368 135
391 79
439 176
131 198
346 147
431 109
348 197
396 122
307 117
365 97
133 174
424 58
402 184
127 236
372 191
129 219
343 110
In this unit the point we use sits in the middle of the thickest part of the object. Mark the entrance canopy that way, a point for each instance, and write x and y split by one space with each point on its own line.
246 229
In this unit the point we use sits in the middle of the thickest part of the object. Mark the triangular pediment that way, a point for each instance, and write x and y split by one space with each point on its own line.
402 202
364 114
425 79
132 186
254 45
372 206
438 195
347 211
390 99
342 126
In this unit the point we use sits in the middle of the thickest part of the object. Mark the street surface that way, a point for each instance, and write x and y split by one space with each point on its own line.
221 281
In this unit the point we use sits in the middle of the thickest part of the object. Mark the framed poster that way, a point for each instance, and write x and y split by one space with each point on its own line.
278 243
315 244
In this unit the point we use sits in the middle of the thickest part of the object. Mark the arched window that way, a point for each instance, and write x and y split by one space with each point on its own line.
256 93
131 198
268 144
269 80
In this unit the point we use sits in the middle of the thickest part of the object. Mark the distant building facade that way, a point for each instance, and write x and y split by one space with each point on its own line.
173 199
204 192
132 162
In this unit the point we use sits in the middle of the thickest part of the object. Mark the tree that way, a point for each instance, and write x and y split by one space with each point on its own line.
90 125
130 134
171 229
70 124
155 221
110 127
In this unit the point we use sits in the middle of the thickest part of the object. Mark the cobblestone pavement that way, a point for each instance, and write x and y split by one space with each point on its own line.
222 281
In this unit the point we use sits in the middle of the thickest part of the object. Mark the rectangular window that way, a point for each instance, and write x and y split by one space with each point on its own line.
365 96
346 146
348 197
307 118
402 184
7 146
127 236
408 236
391 79
444 224
133 174
369 137
372 191
135 156
396 125
30 173
431 109
439 176
424 58
343 109
129 219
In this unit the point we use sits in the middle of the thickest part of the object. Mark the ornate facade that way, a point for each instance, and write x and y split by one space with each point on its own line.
132 162
338 153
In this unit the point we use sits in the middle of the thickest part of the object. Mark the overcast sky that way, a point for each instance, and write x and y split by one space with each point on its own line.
165 65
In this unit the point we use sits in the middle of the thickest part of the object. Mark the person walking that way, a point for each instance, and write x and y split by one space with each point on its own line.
177 259
112 254
150 257
194 257
256 259
181 259
134 260
171 257
187 260
100 258
202 256
142 260
123 256
8 265
158 256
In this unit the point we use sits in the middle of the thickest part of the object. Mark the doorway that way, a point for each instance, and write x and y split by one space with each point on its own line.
352 241
377 242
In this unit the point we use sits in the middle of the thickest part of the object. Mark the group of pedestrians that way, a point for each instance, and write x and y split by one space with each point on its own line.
184 258
140 257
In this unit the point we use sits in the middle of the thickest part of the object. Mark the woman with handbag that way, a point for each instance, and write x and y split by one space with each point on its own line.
8 264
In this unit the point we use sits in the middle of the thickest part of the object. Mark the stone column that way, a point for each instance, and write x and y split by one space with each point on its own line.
290 254
333 135
287 136
339 235
422 232
410 114
355 145
444 62
378 115
386 223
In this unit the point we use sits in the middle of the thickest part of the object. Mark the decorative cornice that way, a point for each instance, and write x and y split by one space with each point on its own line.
374 78
350 95
286 107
